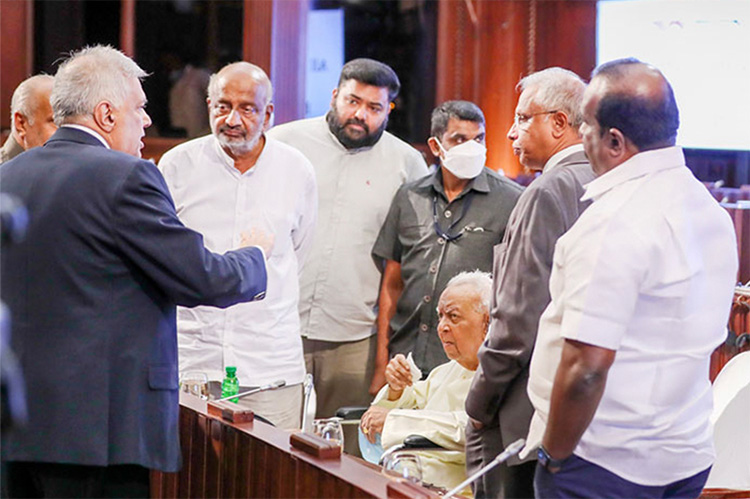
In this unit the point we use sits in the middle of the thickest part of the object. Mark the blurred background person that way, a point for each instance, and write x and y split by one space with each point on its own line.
30 117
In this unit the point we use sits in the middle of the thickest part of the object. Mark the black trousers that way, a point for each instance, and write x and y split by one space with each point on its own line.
32 479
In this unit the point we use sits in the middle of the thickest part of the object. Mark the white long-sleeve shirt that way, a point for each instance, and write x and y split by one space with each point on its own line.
277 195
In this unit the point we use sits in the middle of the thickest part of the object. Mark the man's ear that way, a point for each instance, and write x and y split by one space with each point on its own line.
559 124
105 117
20 124
391 107
333 95
616 143
268 118
433 145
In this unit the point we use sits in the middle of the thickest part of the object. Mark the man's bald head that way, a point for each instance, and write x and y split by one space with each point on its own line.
241 70
636 99
31 112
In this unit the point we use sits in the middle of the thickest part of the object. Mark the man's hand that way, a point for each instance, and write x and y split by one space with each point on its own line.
372 422
398 376
258 237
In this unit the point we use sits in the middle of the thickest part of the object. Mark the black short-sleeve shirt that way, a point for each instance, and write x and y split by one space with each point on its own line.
430 257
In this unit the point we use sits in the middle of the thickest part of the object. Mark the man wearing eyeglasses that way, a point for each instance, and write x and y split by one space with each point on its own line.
546 138
437 227
238 184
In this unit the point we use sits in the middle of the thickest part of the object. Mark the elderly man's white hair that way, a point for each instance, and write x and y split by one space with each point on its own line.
479 282
90 76
23 100
558 90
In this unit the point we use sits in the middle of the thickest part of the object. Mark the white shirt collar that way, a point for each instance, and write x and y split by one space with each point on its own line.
89 131
643 163
560 155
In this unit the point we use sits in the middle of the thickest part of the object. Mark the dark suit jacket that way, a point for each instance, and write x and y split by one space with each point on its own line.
521 269
92 292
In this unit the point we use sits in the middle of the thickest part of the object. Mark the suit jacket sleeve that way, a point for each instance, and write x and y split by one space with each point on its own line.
521 295
174 257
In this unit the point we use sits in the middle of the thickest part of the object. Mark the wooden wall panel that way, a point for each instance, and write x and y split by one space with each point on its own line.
481 54
221 459
566 36
274 38
16 25
486 46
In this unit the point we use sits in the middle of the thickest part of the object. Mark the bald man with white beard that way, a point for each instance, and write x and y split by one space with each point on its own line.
233 184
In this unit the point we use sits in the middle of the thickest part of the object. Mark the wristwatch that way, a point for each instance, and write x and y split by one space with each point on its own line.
548 462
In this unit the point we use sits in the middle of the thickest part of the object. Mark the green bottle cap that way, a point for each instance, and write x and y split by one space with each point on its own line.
231 371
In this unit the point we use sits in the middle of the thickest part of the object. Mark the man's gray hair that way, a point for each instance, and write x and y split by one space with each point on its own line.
90 76
23 101
558 89
478 281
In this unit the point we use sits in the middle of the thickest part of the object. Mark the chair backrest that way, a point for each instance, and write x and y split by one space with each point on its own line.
731 419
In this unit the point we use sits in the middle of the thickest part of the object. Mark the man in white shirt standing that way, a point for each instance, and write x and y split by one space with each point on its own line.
358 166
237 184
641 287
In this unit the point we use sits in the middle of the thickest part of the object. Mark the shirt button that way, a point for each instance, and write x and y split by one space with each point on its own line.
427 299
441 241
423 328
448 213
433 269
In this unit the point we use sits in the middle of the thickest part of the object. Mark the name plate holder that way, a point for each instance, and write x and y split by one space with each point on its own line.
315 445
229 411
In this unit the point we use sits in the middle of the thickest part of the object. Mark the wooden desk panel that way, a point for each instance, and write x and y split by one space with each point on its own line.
221 459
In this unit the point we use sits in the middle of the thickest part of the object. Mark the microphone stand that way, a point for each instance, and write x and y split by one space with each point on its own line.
272 386
509 451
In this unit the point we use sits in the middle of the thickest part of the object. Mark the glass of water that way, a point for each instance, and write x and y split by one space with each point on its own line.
330 429
195 383
405 465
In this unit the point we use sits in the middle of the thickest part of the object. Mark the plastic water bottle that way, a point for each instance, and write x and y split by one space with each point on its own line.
231 385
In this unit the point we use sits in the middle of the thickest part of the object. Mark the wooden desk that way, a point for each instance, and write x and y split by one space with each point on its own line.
221 459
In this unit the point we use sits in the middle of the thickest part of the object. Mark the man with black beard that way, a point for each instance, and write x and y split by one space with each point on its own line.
359 167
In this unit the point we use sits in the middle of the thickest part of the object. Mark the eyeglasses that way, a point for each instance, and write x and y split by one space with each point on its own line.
523 119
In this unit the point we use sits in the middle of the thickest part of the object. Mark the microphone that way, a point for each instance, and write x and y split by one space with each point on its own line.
509 451
271 386
307 418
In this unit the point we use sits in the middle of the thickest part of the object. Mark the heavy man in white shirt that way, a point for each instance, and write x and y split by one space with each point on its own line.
237 184
641 287
359 166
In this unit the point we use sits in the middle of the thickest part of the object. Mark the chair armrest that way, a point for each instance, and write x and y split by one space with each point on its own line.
351 413
420 442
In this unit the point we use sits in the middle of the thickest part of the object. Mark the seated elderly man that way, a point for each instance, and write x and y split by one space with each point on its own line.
434 408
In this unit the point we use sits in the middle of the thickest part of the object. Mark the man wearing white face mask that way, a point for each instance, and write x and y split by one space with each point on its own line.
438 226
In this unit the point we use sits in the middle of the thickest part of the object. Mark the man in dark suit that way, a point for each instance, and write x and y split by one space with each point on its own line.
546 138
92 290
